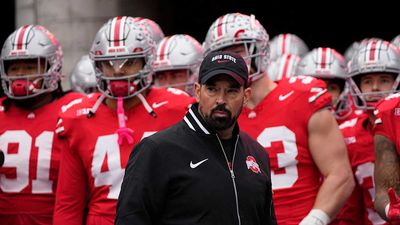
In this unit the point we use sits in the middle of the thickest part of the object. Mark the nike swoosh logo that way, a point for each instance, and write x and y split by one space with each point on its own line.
283 97
158 105
194 165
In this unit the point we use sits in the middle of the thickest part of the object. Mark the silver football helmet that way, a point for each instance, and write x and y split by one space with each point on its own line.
119 41
283 67
373 55
236 28
31 42
324 63
155 30
83 76
287 43
177 52
328 64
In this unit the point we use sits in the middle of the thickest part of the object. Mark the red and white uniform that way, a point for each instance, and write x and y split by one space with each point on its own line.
29 175
279 123
359 140
93 165
387 121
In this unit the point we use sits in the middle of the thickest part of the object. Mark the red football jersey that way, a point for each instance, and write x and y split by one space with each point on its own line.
93 165
279 123
387 121
359 140
28 177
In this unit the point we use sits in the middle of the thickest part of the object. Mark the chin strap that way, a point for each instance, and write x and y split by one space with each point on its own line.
96 105
123 132
147 106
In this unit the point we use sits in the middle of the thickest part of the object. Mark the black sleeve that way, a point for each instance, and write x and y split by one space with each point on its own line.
143 187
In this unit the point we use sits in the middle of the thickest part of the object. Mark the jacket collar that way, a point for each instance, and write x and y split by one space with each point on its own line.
195 121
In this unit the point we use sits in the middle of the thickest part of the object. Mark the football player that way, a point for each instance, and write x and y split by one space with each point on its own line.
100 133
373 74
31 62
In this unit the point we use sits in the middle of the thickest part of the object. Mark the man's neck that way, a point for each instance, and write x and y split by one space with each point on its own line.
34 102
259 89
226 134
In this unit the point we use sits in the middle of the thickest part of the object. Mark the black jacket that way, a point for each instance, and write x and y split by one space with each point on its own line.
181 176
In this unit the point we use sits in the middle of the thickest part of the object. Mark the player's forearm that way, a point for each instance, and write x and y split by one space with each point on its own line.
386 172
334 192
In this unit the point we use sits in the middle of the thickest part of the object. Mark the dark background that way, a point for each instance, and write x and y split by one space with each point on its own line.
325 24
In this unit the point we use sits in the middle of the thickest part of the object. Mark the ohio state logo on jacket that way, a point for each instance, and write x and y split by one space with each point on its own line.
252 164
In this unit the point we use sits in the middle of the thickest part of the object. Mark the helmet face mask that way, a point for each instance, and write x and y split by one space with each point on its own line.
118 43
36 46
374 56
238 29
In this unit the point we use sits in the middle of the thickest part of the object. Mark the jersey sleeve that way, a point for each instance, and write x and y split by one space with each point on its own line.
314 90
71 189
386 113
318 96
143 187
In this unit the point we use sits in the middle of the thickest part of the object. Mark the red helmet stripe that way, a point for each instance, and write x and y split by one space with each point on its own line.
286 66
324 56
162 51
372 47
117 30
284 43
21 36
220 24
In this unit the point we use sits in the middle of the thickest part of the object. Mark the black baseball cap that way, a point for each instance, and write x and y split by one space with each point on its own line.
217 63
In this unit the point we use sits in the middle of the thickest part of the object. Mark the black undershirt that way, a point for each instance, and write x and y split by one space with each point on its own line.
229 147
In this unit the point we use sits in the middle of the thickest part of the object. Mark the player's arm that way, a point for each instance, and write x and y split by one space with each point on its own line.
71 192
329 152
143 188
386 173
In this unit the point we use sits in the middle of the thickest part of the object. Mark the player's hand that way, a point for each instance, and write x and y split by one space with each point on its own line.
393 213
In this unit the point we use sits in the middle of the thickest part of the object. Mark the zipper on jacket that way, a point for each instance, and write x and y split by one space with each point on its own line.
232 173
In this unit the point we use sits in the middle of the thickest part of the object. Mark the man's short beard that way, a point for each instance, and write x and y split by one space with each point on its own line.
220 123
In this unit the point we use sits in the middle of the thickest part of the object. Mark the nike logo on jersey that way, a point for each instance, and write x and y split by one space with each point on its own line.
158 105
283 97
194 165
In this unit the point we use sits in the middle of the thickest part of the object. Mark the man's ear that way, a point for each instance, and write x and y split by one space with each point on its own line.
197 88
247 94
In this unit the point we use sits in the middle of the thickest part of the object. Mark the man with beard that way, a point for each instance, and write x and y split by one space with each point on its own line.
202 170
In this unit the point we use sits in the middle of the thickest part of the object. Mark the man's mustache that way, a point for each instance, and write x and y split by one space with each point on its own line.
222 109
